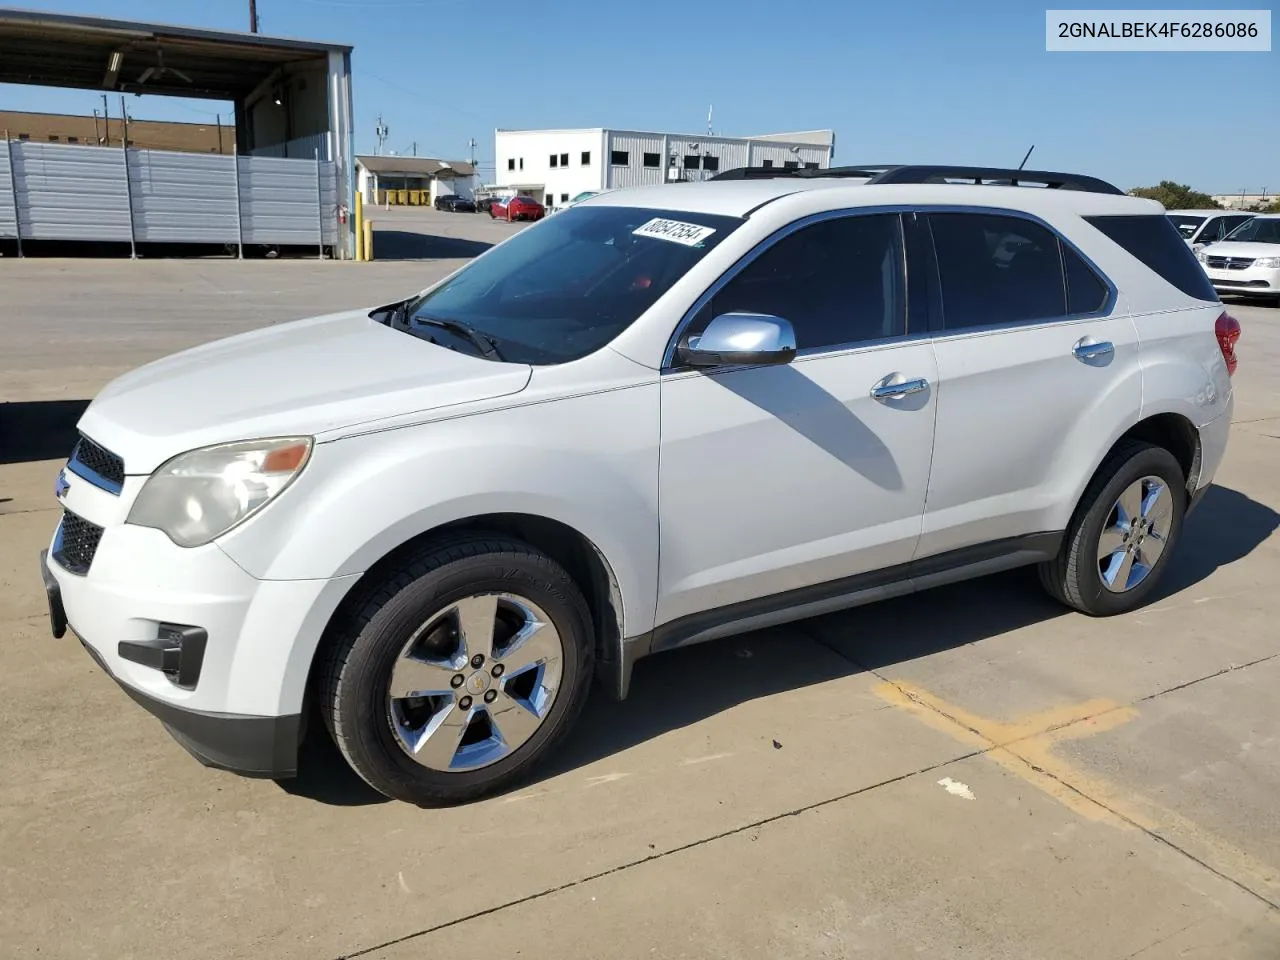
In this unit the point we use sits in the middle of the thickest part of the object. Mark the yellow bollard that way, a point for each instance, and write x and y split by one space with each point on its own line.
359 226
368 239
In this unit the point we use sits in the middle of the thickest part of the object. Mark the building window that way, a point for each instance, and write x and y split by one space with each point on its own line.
564 159
811 166
586 158
653 160
692 161
790 165
619 158
24 136
53 138
553 159
511 164
710 163
768 164
564 198
522 163
73 139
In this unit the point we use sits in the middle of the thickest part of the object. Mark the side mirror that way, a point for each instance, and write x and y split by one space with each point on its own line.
739 338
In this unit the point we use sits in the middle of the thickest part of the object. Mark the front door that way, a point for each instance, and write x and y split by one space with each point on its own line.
778 478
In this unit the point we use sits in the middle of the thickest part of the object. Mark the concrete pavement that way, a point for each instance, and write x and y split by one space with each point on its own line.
971 771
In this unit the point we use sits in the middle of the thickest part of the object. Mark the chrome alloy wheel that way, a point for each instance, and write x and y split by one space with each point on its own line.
1135 534
475 682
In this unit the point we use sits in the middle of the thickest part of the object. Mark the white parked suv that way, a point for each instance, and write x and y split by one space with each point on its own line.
1202 227
1247 260
665 415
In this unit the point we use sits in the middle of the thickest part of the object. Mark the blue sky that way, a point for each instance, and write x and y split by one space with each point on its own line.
909 81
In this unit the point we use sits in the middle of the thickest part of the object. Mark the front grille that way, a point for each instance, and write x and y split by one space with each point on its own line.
1229 263
76 543
98 465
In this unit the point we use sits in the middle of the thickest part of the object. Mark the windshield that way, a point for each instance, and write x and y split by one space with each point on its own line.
1257 230
1186 225
566 287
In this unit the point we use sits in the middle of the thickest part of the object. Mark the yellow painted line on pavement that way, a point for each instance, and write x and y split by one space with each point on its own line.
1025 748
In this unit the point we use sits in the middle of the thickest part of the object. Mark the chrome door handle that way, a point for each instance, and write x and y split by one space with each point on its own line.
1087 348
896 386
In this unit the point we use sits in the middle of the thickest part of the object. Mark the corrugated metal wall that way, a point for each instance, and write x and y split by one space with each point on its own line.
69 192
635 173
8 206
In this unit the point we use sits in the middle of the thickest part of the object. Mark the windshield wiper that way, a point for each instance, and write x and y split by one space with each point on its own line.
487 346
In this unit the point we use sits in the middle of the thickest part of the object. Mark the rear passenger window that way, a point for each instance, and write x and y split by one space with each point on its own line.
1156 242
1085 292
997 270
837 281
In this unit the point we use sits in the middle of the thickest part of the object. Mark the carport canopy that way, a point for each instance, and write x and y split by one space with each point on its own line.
94 53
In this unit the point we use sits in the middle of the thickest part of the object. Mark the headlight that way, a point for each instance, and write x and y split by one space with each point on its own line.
1200 255
1267 262
198 496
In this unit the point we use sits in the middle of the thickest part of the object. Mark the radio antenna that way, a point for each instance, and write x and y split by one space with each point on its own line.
1024 159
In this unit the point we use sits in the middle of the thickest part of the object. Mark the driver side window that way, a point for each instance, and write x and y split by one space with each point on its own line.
838 282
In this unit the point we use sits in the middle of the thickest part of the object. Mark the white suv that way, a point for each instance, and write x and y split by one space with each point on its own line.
665 415
1247 260
1202 227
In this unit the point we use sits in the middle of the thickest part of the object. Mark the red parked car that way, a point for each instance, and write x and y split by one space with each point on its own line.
517 208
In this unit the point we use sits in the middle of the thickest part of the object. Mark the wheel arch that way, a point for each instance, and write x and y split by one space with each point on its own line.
1172 431
581 558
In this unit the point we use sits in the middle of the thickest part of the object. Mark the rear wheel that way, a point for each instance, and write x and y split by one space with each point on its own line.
1123 532
462 670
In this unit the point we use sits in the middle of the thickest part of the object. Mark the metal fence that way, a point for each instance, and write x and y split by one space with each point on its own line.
51 191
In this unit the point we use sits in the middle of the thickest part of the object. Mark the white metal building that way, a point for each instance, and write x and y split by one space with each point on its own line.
555 165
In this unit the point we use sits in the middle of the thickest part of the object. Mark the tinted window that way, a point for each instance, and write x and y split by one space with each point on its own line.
710 163
1258 230
566 289
620 158
837 281
652 160
997 270
1155 241
1085 292
691 161
1186 225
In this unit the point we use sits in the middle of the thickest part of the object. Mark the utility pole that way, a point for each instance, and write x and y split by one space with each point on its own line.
472 144
253 16
106 123
381 133
415 148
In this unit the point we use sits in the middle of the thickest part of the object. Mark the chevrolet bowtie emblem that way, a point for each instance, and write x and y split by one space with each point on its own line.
61 486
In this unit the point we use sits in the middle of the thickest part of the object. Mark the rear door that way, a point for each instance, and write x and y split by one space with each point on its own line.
1036 362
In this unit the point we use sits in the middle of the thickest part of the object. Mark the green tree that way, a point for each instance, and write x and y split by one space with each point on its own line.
1176 196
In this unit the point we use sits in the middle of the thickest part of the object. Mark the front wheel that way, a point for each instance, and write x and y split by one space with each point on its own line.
1122 534
461 671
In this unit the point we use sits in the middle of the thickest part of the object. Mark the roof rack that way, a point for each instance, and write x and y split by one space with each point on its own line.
913 173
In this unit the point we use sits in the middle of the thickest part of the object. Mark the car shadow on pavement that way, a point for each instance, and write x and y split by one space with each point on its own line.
686 686
38 429
409 245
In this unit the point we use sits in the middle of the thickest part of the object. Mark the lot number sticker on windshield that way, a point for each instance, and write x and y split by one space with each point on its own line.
676 231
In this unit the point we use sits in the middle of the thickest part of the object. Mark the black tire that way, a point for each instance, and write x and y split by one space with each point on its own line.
1073 577
355 672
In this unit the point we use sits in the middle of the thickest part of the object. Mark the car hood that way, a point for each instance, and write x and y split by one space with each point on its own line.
301 378
1241 248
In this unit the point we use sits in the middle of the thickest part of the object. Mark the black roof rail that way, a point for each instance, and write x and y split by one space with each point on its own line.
769 173
996 176
882 173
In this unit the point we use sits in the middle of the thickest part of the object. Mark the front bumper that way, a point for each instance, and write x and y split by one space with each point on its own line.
248 745
1262 281
221 658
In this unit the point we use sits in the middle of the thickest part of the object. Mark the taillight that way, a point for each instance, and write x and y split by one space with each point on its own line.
1227 330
